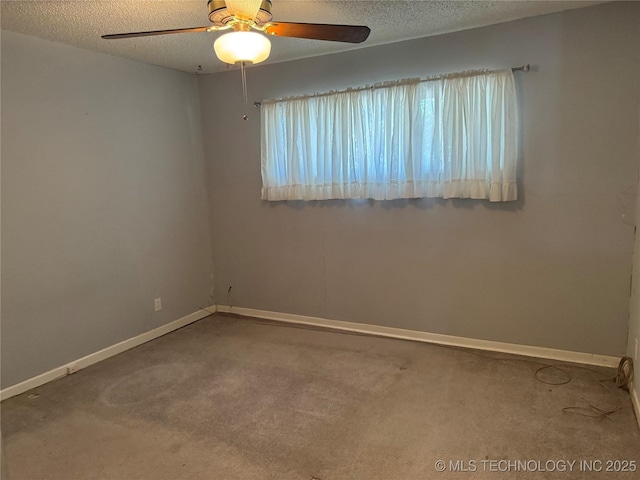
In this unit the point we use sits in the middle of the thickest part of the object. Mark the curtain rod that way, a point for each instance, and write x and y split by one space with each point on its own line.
521 68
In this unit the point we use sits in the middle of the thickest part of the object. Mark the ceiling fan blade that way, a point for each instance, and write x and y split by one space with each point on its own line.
243 9
319 31
155 32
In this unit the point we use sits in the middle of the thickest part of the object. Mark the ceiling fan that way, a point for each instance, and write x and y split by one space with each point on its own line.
243 44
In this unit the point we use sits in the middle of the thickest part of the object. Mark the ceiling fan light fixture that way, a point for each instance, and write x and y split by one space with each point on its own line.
241 46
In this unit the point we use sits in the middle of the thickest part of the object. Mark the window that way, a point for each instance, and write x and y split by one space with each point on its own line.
450 137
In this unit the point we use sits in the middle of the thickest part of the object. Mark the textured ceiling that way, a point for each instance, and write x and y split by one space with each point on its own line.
81 23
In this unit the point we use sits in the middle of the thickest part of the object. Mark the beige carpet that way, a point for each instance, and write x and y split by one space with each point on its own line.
231 398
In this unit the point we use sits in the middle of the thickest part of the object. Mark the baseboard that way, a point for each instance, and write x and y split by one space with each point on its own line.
636 403
103 354
525 350
390 332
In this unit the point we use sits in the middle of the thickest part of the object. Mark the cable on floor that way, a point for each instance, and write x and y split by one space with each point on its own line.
591 410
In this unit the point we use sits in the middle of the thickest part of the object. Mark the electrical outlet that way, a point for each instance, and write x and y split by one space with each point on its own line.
157 304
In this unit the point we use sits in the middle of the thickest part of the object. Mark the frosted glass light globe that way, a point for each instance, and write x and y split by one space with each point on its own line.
237 47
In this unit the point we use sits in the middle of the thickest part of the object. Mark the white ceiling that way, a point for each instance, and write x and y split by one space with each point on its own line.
81 23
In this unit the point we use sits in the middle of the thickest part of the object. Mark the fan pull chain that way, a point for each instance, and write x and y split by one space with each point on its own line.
244 86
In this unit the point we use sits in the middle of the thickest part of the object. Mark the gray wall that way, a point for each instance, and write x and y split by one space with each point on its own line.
633 344
104 206
551 269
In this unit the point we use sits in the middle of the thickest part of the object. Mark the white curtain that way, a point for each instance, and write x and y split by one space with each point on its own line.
449 137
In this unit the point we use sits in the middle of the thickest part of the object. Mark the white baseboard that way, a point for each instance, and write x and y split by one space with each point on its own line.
525 350
390 332
103 354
